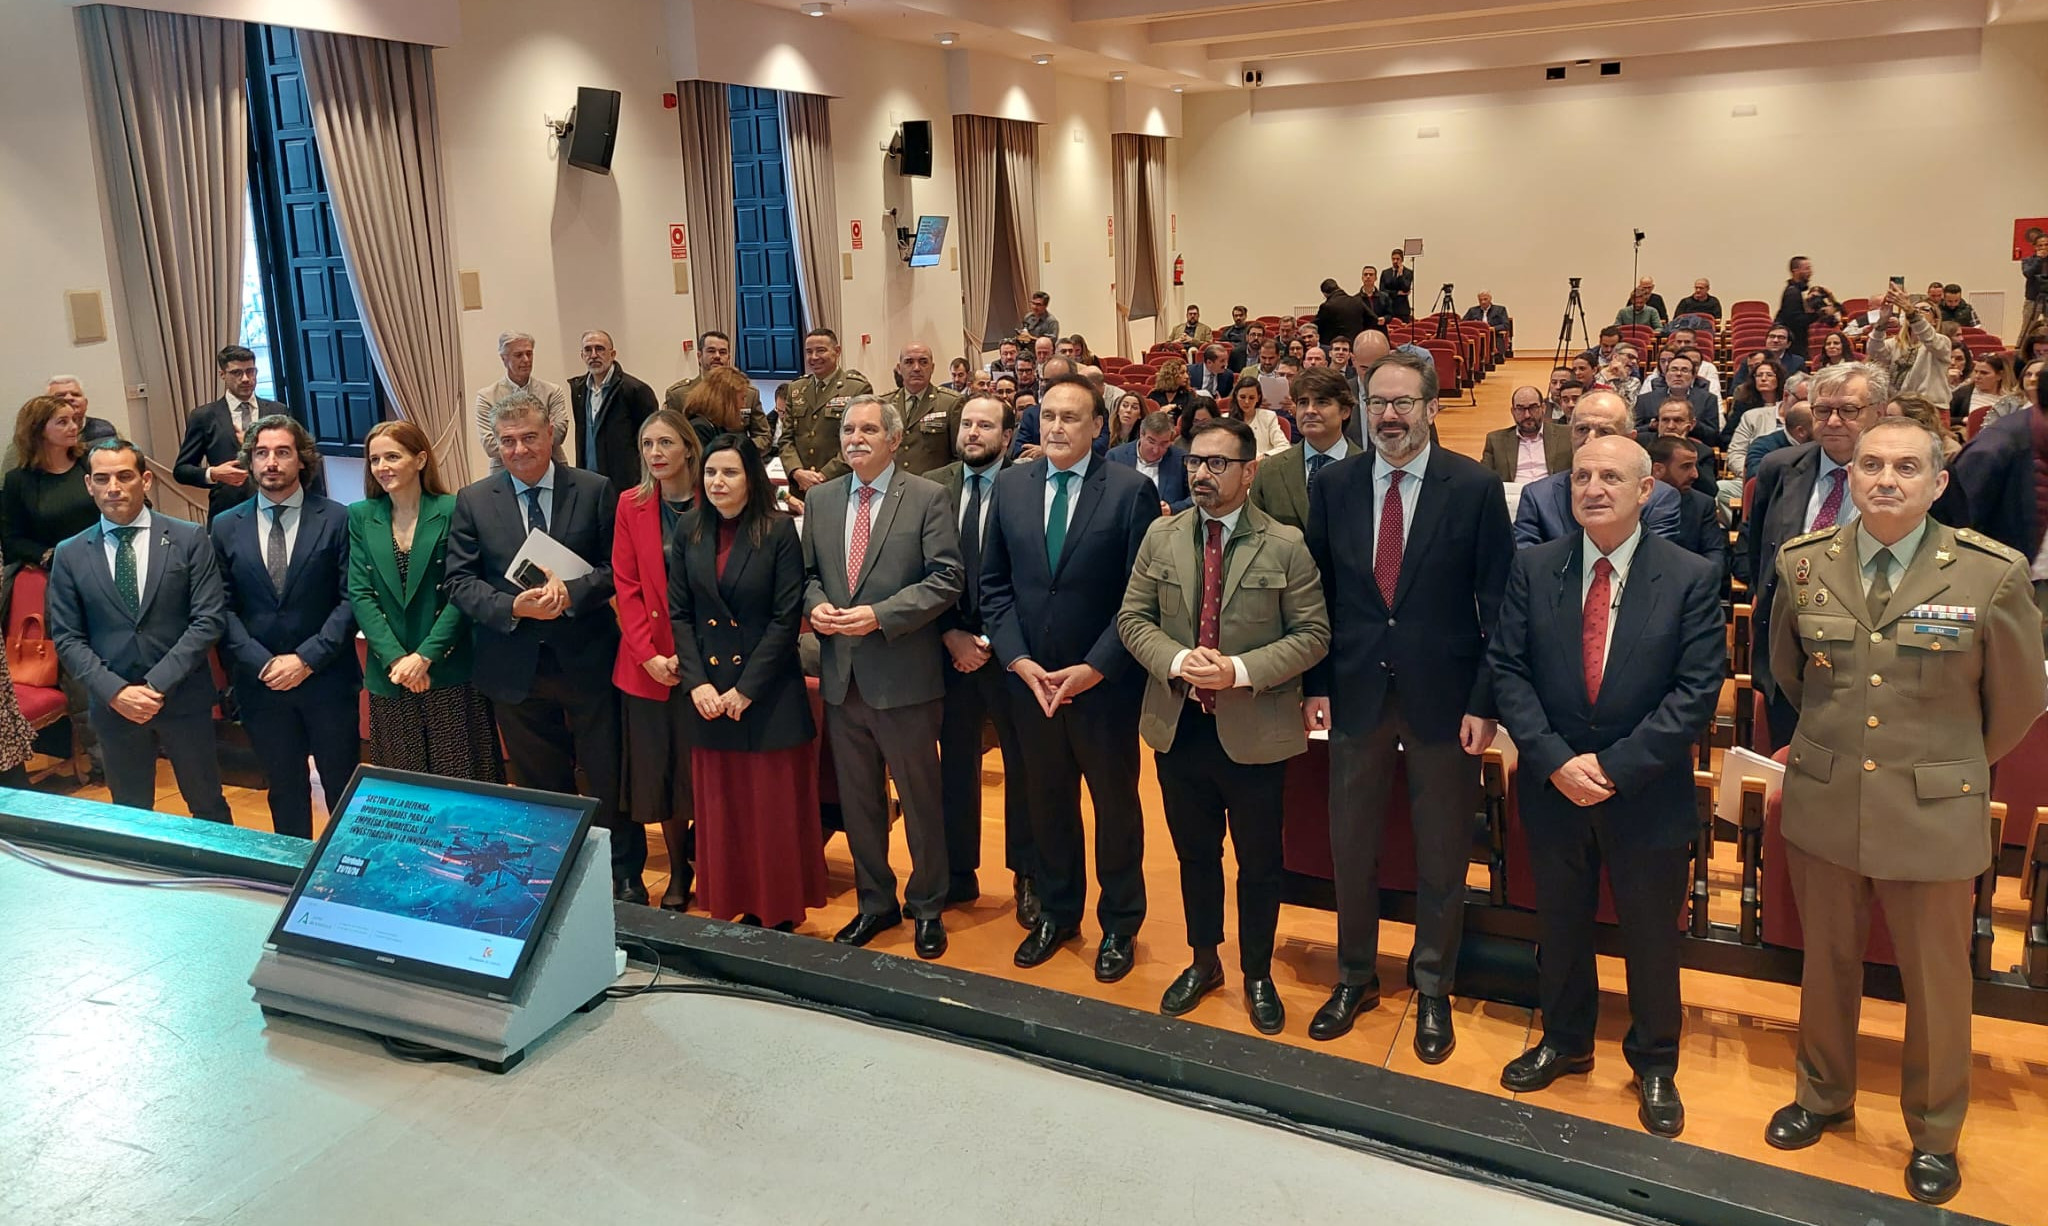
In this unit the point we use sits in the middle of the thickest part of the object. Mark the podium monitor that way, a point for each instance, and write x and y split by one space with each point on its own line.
433 880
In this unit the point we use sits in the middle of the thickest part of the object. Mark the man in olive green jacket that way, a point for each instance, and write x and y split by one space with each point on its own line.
817 402
1913 653
1224 611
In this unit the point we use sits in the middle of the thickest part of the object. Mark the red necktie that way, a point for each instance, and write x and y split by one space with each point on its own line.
1386 557
1206 630
1593 638
857 549
1830 506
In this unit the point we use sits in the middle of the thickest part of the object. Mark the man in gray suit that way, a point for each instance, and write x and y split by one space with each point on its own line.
134 602
881 563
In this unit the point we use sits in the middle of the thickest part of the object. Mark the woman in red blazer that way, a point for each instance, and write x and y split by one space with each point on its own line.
658 788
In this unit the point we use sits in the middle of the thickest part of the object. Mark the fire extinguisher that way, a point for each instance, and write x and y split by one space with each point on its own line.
1180 269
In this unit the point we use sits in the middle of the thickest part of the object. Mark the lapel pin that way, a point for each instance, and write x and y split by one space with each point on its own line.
1943 555
1820 660
1820 598
1802 600
1835 550
1804 569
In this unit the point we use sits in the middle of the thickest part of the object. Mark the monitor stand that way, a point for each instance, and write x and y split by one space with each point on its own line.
571 968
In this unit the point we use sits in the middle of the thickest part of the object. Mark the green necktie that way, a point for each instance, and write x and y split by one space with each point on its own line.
1056 523
1880 586
124 569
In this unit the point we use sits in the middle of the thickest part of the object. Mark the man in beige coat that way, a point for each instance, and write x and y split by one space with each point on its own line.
1913 653
1224 611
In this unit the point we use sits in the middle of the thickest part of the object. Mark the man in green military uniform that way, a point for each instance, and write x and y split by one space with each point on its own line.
714 349
810 438
931 415
1913 654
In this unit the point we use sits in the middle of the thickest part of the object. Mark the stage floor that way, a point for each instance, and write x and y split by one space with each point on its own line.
139 1083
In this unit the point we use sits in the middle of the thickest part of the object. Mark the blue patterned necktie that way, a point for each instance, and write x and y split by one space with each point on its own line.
535 521
1315 465
125 581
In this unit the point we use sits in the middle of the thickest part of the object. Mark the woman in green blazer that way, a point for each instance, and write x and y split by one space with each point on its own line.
424 715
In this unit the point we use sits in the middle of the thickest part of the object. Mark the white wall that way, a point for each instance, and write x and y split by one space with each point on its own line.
558 249
1917 170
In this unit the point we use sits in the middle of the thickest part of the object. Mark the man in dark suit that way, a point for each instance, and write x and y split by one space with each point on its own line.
1799 490
1154 454
1607 666
1801 306
1324 413
1680 381
545 653
1212 376
1673 419
134 604
881 564
1545 510
1247 351
1224 612
1342 314
290 643
1534 447
210 456
977 689
1413 545
1992 487
606 408
1061 542
1675 462
1493 316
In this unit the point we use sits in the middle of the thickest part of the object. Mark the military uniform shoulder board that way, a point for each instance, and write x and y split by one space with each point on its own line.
850 373
1807 538
1978 540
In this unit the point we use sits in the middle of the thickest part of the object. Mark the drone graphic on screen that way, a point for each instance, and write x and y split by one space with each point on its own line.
486 860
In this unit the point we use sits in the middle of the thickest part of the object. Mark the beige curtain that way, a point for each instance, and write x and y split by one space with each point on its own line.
707 202
996 164
171 120
814 205
379 129
1139 203
976 140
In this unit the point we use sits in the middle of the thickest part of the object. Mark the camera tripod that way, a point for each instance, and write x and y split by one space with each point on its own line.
1573 305
1446 310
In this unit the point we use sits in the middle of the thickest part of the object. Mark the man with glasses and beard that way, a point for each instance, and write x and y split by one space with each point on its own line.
1225 612
1413 545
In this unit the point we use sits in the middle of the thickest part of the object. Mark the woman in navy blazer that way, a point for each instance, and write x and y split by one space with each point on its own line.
424 714
658 718
736 585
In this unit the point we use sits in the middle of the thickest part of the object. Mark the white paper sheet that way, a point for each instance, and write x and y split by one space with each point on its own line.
1739 763
544 550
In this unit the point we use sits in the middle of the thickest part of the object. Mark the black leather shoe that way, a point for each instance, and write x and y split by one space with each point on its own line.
1658 1107
1434 1037
1542 1064
1045 939
865 928
963 889
1115 958
1335 1018
1184 993
1933 1179
630 889
1262 1005
931 938
1028 906
1794 1127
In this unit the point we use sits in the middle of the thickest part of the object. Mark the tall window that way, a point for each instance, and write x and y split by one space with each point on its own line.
770 323
255 313
319 356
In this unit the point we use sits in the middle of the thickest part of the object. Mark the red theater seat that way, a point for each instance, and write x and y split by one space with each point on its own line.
2021 780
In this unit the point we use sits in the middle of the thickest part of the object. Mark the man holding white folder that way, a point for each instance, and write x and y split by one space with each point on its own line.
529 562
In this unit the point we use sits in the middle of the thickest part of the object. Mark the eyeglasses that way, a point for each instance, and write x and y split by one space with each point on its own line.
1403 405
1847 412
1216 464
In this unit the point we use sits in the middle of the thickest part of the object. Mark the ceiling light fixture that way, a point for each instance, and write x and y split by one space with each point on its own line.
1041 60
814 8
1180 89
1116 76
947 38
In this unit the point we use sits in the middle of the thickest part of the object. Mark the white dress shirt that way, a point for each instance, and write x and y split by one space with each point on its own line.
141 539
1338 450
1623 556
1820 494
1229 523
881 487
1411 486
1531 463
1052 486
294 507
546 486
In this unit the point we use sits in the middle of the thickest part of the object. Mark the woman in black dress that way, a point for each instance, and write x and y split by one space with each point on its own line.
736 580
